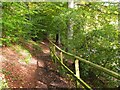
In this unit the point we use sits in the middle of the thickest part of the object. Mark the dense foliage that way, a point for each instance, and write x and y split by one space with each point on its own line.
95 31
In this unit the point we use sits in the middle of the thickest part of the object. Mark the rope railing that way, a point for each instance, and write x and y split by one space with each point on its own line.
98 67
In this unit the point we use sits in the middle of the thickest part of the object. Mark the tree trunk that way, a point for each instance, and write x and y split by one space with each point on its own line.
70 26
58 38
70 22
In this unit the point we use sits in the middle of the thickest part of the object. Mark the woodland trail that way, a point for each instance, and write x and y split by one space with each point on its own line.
41 72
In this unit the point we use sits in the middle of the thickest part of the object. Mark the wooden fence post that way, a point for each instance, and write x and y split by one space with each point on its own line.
51 54
54 51
62 68
61 57
77 71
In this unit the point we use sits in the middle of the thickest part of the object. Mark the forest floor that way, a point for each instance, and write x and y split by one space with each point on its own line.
39 72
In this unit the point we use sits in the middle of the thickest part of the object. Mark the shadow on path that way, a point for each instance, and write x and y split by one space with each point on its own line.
46 72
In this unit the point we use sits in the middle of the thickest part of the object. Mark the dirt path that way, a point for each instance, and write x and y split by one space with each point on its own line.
17 74
39 73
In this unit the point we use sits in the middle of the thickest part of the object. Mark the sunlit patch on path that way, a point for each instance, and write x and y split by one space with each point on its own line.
45 48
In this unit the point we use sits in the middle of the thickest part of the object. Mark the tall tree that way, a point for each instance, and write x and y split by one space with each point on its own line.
70 23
